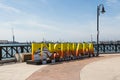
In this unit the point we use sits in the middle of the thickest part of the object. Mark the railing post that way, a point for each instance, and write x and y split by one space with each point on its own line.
0 53
12 51
104 48
115 47
21 49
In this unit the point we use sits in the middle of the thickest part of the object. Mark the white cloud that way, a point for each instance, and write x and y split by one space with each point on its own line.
37 24
9 8
112 1
36 31
27 30
30 24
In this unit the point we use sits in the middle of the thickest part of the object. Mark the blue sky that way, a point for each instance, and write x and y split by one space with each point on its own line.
58 20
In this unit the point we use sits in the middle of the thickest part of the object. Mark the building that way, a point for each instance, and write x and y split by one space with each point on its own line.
4 41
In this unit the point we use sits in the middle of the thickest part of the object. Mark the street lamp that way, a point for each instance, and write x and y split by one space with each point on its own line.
100 9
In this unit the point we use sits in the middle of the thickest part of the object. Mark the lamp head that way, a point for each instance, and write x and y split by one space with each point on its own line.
103 10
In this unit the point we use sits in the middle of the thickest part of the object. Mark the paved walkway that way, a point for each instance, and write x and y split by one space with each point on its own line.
18 71
108 69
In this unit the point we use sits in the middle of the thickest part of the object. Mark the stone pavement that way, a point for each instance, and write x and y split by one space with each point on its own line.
18 71
107 69
69 70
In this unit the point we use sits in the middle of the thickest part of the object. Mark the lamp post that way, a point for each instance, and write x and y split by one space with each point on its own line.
100 9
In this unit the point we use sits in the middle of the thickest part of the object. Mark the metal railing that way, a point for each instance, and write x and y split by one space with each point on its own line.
8 50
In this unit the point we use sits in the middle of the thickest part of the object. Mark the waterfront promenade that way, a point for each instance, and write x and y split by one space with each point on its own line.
105 67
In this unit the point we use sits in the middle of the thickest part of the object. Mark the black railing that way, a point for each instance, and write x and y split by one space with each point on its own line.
8 50
108 48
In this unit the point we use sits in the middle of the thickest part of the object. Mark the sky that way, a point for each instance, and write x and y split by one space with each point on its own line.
58 20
